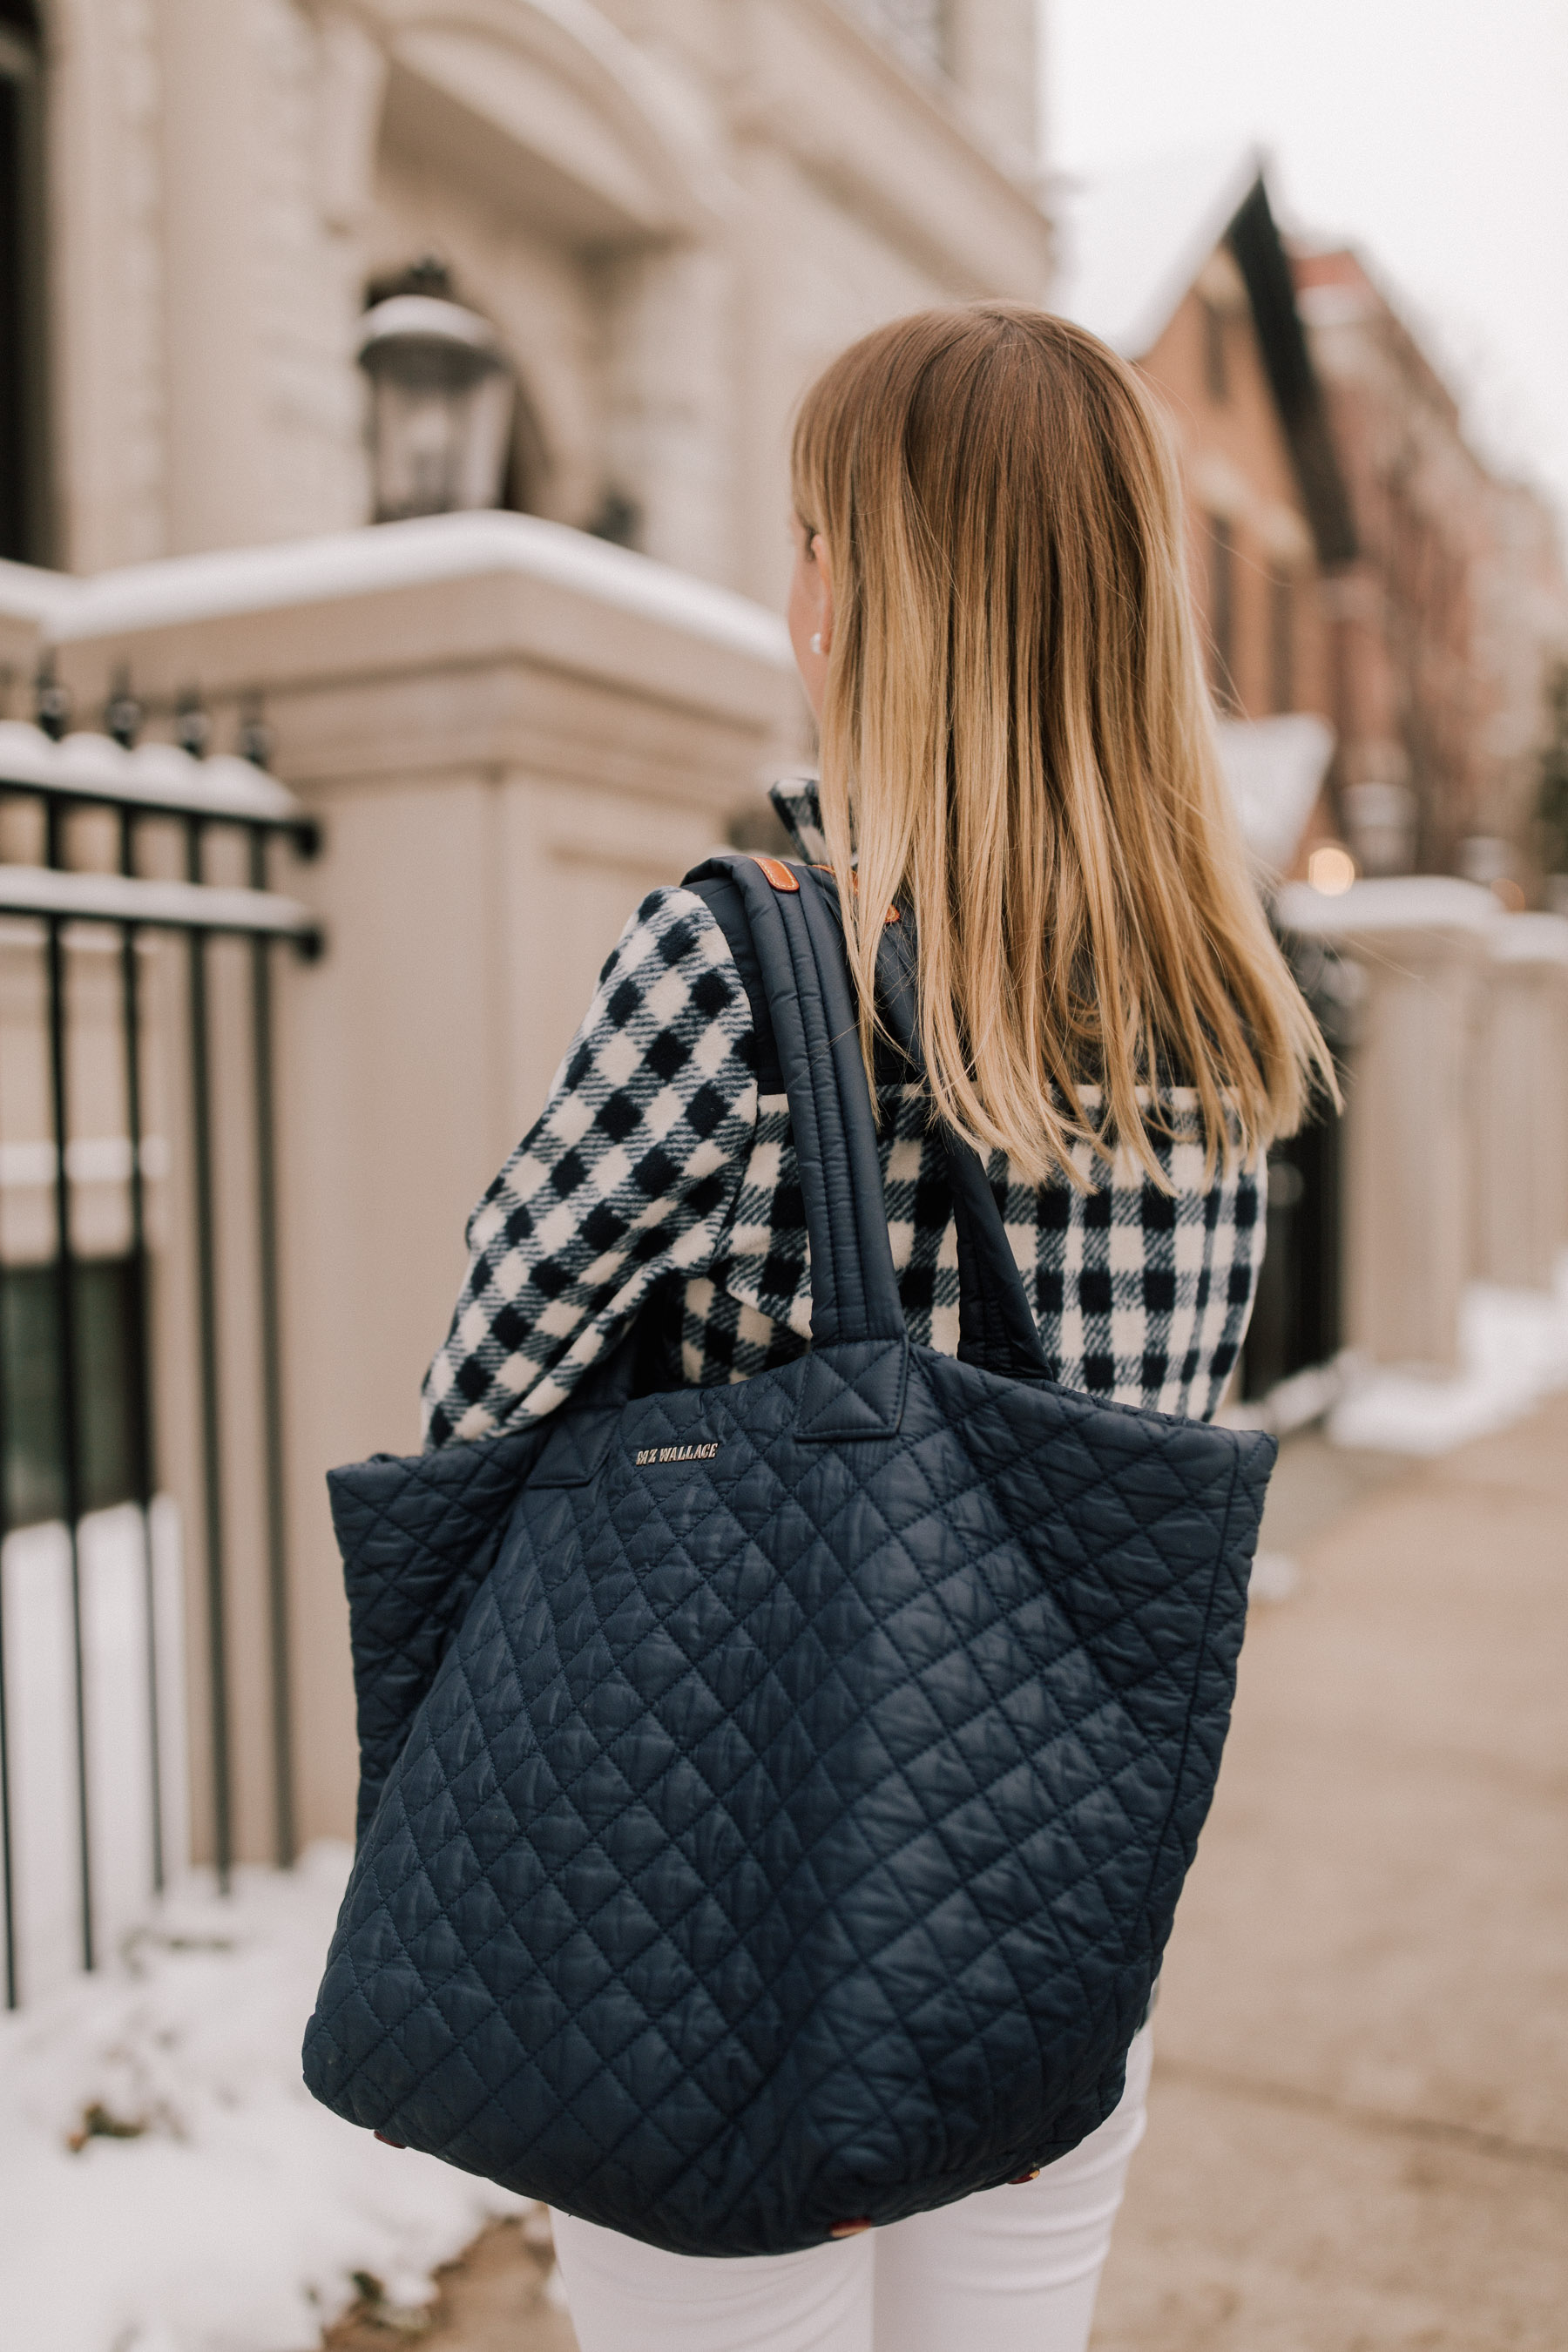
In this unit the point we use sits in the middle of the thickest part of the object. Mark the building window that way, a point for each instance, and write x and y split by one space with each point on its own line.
25 534
1282 642
915 29
109 1381
1222 609
1217 357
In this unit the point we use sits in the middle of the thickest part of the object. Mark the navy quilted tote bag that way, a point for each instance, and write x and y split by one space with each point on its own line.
776 1795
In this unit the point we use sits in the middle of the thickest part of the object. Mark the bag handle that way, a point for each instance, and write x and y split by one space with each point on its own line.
854 1290
799 948
997 1329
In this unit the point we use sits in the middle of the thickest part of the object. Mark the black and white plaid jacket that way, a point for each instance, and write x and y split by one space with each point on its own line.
658 1168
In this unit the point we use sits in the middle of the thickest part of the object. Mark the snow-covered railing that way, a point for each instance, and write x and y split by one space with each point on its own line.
99 824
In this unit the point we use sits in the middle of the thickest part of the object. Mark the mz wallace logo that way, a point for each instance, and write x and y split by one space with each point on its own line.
648 1455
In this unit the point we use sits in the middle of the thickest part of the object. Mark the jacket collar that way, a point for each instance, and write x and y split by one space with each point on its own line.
800 812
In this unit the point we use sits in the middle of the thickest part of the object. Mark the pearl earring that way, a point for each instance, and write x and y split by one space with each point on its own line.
816 641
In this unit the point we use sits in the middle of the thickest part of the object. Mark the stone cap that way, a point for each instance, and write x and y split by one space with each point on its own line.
441 592
1412 912
1531 940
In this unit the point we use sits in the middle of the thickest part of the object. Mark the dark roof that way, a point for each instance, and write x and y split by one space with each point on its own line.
1254 239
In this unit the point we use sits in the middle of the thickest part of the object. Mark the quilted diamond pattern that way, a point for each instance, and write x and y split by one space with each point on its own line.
793 1832
775 1797
418 1537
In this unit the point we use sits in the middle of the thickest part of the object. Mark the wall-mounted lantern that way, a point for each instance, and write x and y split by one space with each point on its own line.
442 391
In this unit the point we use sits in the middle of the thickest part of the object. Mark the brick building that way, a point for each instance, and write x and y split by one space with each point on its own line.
1444 628
1180 267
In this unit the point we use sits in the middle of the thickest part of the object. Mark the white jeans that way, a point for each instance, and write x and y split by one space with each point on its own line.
1013 2270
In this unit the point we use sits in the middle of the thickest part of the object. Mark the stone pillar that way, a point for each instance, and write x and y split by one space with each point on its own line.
1521 1105
1423 944
216 453
671 399
267 124
106 206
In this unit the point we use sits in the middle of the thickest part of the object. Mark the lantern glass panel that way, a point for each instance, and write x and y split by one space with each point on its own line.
441 411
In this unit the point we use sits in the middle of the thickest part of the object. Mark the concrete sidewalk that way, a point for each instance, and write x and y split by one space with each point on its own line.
1359 2126
1359 2129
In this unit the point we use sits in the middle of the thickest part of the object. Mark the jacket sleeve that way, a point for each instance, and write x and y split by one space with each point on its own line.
631 1173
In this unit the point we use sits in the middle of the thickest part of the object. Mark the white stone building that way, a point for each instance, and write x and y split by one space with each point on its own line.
673 211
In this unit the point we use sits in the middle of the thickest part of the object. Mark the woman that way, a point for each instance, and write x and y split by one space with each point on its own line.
991 619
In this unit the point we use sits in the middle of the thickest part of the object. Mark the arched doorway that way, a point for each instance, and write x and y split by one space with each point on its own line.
26 532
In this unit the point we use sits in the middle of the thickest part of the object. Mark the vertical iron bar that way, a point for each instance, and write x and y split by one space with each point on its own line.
65 1364
141 1341
271 1372
212 1451
7 1872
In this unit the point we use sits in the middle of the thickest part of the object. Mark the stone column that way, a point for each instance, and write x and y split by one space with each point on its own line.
1521 1105
1423 943
671 398
216 454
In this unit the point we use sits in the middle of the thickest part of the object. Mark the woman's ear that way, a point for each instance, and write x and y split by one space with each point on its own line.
811 611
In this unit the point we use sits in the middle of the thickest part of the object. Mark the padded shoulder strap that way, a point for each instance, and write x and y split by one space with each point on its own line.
800 957
790 951
721 894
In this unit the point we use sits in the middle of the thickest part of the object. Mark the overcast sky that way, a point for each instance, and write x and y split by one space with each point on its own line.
1431 133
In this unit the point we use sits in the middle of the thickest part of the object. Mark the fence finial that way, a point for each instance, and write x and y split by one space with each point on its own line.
193 725
255 735
123 712
51 701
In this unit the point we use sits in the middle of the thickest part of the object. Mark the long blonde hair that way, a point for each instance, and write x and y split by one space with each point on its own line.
1017 744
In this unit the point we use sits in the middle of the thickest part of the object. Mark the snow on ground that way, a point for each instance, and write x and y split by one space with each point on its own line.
233 2219
40 1730
1513 1350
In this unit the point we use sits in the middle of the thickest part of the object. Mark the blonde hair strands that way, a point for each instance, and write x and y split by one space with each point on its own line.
1017 743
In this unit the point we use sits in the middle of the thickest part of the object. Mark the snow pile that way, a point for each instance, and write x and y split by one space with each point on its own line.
1513 1350
166 2182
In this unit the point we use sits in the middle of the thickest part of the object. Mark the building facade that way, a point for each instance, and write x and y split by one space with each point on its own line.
1181 268
672 212
1446 628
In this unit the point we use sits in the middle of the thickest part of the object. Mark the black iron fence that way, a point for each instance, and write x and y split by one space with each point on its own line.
1296 1323
129 856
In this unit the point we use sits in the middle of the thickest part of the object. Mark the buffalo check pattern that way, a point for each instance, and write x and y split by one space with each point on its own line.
659 1178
